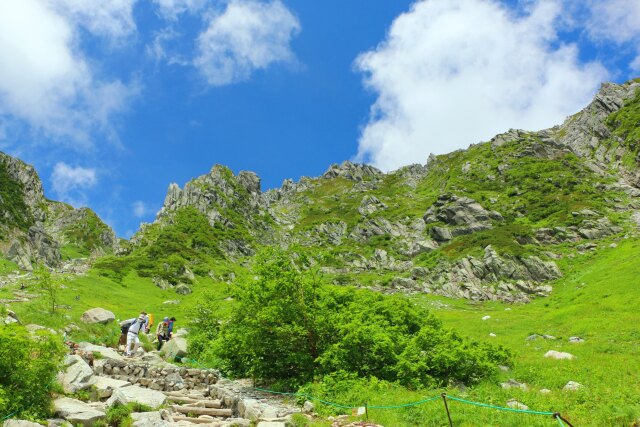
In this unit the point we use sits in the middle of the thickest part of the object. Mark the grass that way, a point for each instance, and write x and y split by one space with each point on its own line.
592 301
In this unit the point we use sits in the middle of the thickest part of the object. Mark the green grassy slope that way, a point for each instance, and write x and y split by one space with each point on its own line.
595 300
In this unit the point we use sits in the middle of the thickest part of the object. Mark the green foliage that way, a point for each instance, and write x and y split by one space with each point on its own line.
287 328
119 415
626 124
28 369
15 211
49 284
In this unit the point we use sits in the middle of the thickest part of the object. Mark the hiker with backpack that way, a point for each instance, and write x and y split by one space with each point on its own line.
163 332
133 328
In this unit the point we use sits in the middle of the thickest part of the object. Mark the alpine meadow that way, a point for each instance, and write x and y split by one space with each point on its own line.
294 213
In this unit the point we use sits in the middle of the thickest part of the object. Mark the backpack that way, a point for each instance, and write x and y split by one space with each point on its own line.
125 325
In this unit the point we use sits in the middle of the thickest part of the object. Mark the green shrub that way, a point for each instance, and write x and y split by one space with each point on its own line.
287 328
28 368
119 415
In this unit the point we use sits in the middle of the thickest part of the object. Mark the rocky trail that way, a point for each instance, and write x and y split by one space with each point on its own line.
179 396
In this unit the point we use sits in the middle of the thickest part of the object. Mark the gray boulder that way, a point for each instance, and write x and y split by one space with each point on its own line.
98 315
105 352
76 376
572 386
369 205
125 395
183 289
148 419
175 347
105 386
20 423
77 412
559 355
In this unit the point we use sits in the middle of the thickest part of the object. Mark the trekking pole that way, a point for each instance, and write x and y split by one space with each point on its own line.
446 407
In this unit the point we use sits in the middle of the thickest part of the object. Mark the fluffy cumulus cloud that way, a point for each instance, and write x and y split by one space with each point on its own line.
455 72
248 35
45 79
617 21
69 182
108 18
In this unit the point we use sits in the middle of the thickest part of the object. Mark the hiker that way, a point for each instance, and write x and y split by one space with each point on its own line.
134 326
163 332
171 322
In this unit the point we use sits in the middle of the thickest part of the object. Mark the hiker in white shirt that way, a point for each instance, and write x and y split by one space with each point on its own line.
137 325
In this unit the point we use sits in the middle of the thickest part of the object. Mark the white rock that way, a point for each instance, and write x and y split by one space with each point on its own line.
491 334
514 384
486 317
105 352
271 424
545 391
141 395
148 419
97 315
572 386
576 340
308 407
175 347
512 403
77 376
249 409
77 412
559 355
105 385
20 423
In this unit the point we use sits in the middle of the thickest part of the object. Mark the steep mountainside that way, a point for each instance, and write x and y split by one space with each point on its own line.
488 222
34 229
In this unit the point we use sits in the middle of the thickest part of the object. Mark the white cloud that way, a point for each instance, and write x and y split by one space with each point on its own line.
139 209
247 36
455 72
45 79
172 9
616 20
69 182
108 18
635 65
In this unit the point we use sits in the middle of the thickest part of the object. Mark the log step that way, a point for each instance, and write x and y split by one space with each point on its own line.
205 403
198 421
215 412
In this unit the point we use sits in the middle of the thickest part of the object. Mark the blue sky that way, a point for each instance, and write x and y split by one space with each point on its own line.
113 100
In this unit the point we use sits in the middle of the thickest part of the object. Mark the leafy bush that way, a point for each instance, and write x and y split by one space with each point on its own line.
119 415
28 368
288 328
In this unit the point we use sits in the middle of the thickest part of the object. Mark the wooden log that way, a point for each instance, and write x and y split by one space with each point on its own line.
198 421
205 403
203 411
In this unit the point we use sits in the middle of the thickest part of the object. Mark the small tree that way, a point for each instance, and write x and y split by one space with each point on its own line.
49 284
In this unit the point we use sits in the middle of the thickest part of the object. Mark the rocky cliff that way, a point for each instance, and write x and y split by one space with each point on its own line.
488 222
36 230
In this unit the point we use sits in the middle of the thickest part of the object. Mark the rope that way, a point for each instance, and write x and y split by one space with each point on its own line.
501 408
405 405
9 416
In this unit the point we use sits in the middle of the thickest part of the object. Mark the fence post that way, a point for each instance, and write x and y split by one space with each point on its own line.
558 416
446 407
366 411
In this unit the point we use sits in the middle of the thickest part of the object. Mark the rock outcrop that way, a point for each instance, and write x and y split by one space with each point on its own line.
32 228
